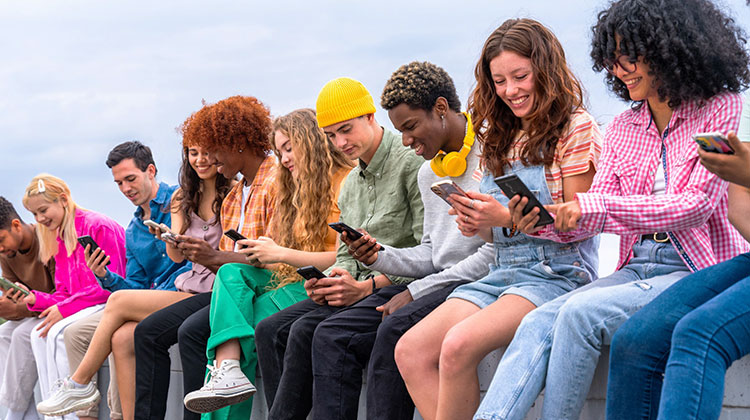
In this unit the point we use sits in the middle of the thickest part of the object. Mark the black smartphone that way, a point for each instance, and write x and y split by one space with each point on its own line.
340 227
234 235
88 240
512 185
310 272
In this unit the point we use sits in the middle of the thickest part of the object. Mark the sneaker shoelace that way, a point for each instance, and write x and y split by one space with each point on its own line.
214 375
59 384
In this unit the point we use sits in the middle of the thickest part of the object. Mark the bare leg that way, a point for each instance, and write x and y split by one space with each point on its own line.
465 345
124 353
417 353
228 350
122 306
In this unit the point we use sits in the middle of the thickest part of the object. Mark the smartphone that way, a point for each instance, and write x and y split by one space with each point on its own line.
713 142
88 240
340 227
9 286
444 189
152 224
234 235
170 237
512 185
310 272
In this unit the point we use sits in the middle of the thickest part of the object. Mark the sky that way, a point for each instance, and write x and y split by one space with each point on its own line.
81 76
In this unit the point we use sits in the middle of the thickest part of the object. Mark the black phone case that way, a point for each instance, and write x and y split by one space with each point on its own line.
310 272
512 185
88 240
342 227
234 235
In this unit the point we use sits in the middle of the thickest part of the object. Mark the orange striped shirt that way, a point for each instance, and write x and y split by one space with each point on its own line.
575 151
259 206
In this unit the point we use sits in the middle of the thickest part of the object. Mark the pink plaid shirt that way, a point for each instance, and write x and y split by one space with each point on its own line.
694 209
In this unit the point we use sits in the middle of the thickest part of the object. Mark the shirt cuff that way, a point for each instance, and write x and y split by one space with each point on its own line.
593 211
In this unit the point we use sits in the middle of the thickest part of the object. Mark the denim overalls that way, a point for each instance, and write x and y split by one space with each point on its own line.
536 269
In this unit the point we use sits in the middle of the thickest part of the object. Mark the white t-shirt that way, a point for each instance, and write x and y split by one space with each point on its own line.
744 132
245 193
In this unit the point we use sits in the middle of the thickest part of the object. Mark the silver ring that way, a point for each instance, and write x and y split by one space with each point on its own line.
312 292
471 204
466 219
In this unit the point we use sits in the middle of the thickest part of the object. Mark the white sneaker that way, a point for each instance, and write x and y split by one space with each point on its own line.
225 385
66 398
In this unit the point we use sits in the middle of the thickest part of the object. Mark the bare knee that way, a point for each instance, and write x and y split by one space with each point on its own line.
122 340
457 352
411 356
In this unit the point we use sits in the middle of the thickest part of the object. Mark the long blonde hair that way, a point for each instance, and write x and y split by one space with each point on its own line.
54 189
304 202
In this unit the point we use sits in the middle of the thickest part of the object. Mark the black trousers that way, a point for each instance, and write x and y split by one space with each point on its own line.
186 323
318 357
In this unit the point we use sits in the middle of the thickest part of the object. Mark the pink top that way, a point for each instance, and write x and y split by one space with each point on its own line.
76 286
694 208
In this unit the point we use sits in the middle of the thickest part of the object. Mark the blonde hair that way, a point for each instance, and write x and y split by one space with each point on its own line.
304 202
53 189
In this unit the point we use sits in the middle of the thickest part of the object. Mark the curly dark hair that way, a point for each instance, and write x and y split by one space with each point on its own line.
7 213
236 123
189 194
419 84
693 50
558 95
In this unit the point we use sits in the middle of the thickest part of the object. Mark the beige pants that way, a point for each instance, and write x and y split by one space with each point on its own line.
77 339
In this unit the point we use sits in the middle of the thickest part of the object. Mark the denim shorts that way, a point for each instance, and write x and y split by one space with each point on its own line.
531 274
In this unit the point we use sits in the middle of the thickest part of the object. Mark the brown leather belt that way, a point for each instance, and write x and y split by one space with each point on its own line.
660 237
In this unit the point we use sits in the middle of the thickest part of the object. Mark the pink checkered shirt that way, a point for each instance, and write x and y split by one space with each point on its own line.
694 209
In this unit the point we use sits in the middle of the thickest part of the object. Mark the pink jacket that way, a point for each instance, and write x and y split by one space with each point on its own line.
76 286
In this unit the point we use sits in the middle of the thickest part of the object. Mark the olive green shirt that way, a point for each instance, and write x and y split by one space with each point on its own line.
383 198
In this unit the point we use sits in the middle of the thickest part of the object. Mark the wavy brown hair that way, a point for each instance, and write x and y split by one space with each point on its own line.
558 94
304 202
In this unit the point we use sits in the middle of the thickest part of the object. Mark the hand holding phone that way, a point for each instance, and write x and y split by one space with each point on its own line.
171 238
351 233
310 272
714 142
445 189
11 287
93 246
512 185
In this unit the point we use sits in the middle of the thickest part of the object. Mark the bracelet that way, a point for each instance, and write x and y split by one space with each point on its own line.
512 233
371 277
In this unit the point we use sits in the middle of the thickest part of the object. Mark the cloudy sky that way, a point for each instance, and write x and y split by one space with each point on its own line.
80 76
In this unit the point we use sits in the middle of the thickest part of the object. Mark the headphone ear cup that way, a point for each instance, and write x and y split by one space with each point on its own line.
454 164
436 164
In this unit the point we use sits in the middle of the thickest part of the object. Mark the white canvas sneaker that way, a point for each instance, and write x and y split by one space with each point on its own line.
66 398
225 385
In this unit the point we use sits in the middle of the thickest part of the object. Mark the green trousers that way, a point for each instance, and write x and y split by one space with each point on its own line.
240 300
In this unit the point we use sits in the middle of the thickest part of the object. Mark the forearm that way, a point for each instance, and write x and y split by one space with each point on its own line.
411 262
175 254
297 258
219 258
739 205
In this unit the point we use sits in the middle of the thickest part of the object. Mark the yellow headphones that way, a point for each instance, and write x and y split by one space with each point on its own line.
453 164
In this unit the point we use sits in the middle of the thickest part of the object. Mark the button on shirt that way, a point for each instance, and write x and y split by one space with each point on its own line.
384 199
148 265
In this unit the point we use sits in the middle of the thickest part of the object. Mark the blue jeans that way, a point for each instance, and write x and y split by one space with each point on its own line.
692 333
557 345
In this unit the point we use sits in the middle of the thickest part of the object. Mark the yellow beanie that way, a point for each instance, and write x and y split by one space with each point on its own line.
343 99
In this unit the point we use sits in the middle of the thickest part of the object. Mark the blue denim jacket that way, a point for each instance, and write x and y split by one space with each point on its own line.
148 266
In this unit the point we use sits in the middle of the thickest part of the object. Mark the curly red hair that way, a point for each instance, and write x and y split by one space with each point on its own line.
235 123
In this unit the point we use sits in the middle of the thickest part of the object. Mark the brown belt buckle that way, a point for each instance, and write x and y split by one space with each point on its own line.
661 239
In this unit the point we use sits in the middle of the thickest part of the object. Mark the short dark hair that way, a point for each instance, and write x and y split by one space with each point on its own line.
7 213
419 85
135 150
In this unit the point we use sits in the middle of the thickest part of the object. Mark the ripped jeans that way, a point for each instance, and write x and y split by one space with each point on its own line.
557 345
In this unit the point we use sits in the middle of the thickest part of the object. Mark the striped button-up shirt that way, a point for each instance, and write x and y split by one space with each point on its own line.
259 205
694 209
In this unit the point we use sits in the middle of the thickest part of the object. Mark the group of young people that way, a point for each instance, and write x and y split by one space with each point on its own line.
431 284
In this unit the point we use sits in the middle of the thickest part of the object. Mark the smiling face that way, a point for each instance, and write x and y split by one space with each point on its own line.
135 184
354 137
420 129
513 76
200 161
46 213
228 162
11 239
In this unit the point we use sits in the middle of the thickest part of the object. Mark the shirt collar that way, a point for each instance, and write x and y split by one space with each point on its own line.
643 115
375 167
163 195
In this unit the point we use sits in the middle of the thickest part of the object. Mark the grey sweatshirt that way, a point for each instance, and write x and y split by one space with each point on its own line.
444 255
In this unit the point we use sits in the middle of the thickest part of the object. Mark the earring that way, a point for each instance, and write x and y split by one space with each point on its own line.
240 150
442 117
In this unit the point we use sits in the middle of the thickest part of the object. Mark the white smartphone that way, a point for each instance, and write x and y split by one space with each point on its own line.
152 224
